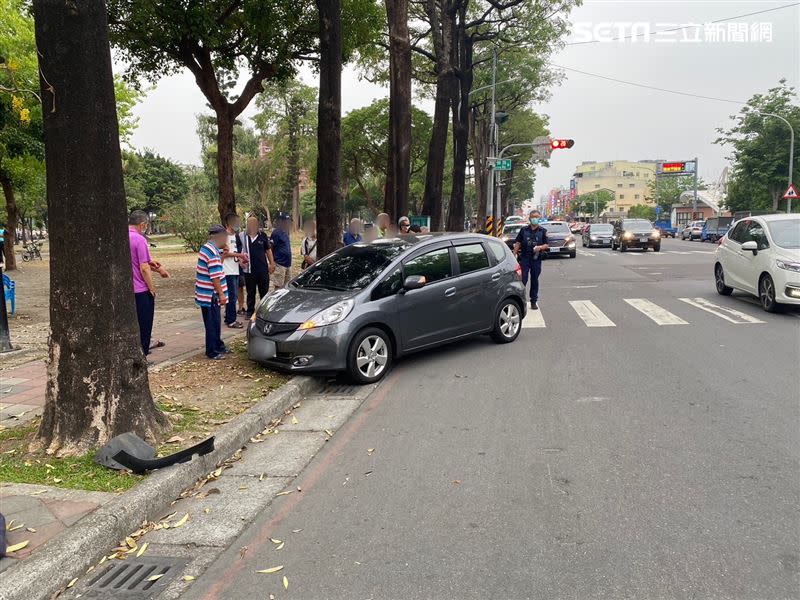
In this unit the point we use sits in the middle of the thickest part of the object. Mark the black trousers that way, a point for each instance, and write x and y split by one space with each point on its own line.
253 281
145 307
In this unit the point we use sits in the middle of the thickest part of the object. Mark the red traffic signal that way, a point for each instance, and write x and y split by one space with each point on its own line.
561 144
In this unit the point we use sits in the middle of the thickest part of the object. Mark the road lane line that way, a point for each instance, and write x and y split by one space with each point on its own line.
534 318
733 316
660 315
702 251
591 315
678 252
584 253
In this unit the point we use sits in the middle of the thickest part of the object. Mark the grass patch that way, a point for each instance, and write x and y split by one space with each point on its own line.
76 473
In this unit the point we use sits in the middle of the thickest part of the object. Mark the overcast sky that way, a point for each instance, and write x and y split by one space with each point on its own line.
607 120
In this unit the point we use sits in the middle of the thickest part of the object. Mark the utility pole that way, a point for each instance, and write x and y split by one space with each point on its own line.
492 139
694 199
791 151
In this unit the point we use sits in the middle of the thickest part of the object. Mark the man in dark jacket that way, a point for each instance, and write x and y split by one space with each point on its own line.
530 243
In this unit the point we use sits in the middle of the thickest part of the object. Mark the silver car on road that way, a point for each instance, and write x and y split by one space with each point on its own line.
359 308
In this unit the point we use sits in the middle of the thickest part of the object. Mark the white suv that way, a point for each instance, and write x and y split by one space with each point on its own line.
761 256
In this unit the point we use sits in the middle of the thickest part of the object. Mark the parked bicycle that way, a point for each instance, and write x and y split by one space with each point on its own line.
31 250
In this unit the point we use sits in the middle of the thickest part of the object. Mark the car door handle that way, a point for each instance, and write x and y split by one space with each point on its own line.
496 276
450 292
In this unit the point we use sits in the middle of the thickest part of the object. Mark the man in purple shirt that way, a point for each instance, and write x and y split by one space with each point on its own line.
142 267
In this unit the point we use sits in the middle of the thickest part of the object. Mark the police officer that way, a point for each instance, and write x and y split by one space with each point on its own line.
530 243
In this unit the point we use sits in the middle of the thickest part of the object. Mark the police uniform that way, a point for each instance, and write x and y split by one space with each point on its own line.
531 262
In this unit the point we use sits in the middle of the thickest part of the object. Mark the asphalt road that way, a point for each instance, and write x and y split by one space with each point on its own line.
639 460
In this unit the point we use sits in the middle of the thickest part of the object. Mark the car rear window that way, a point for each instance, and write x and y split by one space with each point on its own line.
350 268
471 257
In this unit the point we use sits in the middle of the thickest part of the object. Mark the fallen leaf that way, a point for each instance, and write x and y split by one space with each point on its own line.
131 542
242 487
296 530
155 577
274 541
287 492
31 529
175 439
182 521
71 583
271 570
242 551
16 547
37 493
456 482
206 510
370 450
329 432
279 546
285 582
187 578
57 480
261 477
9 524
141 550
20 526
294 420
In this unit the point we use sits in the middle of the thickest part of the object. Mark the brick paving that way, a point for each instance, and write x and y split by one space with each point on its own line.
22 388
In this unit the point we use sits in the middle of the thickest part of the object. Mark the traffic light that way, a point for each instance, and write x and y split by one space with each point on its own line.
561 144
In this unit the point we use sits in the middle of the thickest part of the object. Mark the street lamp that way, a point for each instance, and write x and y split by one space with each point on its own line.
791 149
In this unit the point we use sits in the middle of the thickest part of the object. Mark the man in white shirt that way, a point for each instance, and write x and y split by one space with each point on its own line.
231 257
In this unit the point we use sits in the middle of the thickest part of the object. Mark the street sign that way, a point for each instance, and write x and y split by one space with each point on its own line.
502 164
791 193
421 220
687 167
658 210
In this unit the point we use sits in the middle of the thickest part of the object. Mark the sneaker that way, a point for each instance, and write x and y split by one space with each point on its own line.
217 357
534 306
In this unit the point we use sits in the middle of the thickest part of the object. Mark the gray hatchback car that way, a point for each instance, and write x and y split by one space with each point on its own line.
359 308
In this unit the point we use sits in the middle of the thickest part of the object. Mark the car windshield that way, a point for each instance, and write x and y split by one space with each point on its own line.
350 268
636 224
556 227
785 233
512 229
601 228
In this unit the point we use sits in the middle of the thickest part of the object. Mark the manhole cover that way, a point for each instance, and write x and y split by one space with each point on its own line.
339 389
135 578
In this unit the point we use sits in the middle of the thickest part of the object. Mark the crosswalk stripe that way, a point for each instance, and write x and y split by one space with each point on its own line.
584 252
733 316
591 315
660 315
534 318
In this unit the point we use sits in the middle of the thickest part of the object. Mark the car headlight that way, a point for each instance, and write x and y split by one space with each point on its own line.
789 266
593 237
329 316
656 233
627 235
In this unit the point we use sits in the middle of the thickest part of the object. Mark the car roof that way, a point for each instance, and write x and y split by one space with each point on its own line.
416 239
775 217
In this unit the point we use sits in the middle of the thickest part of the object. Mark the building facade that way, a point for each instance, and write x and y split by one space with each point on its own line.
628 181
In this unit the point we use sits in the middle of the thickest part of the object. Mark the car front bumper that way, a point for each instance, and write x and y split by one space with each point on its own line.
566 249
318 350
638 243
599 242
787 286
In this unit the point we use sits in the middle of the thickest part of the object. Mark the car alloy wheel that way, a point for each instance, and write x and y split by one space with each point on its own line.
766 293
508 323
719 279
370 355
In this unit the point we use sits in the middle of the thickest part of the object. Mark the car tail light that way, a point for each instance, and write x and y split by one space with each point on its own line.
518 271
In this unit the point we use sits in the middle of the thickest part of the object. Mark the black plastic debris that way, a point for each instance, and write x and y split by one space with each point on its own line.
129 451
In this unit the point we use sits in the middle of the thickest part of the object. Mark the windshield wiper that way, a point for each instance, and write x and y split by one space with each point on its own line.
334 288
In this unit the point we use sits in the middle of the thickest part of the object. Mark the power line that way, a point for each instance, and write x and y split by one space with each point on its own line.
647 87
632 35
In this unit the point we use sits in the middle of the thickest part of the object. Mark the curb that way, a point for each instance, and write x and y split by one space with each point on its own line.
73 551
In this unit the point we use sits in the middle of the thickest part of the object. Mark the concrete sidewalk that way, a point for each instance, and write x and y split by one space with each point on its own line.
22 388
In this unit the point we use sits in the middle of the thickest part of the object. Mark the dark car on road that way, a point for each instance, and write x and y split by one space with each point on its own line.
510 233
560 239
359 308
635 233
598 234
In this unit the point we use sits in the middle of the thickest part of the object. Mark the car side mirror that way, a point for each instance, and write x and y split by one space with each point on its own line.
751 246
413 282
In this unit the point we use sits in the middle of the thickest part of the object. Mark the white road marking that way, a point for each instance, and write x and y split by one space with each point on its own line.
591 315
585 253
660 315
723 312
534 318
655 273
677 252
702 252
592 399
581 287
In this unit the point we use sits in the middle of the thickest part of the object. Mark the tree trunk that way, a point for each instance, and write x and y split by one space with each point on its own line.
399 160
97 385
478 134
227 198
455 219
329 125
12 219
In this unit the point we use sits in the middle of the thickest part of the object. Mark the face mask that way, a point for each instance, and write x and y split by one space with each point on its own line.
534 221
236 227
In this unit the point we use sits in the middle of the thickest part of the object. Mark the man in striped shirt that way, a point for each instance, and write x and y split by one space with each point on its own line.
210 289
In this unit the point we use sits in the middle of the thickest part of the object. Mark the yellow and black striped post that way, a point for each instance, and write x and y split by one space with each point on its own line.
500 225
489 225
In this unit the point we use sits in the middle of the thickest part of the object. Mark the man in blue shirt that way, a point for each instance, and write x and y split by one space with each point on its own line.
353 235
281 252
530 243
